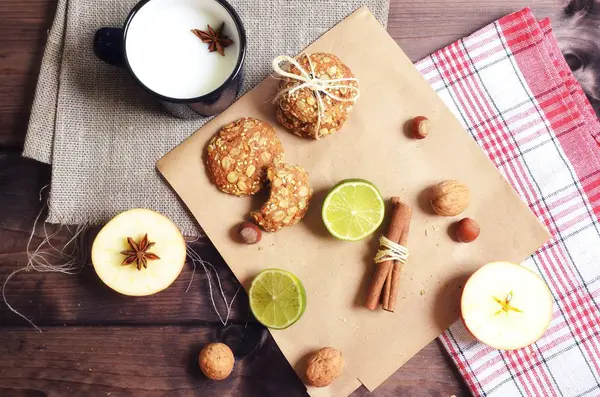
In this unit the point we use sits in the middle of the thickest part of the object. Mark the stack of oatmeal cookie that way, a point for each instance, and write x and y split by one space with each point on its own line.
299 110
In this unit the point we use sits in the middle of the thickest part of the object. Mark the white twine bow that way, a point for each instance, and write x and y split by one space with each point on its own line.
311 81
391 251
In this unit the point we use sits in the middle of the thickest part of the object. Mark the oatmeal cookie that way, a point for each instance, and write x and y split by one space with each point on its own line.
302 104
328 126
238 155
289 198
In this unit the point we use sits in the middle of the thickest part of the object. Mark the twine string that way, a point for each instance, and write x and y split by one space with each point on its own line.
391 251
308 79
206 266
73 253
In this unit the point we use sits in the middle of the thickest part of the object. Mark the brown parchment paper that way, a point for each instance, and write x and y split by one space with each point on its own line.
372 145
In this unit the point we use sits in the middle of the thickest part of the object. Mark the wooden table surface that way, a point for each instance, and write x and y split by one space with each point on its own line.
98 343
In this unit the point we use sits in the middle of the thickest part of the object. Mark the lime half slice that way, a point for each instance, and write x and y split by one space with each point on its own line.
353 210
277 298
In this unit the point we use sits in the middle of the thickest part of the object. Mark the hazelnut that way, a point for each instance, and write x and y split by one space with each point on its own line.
324 366
249 233
216 361
450 198
467 230
420 127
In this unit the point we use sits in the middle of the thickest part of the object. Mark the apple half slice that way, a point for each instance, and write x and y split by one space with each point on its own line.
506 306
139 252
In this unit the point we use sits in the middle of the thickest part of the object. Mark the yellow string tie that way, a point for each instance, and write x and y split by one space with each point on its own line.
391 251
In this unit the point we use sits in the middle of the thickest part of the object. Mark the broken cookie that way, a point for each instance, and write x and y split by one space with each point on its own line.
288 200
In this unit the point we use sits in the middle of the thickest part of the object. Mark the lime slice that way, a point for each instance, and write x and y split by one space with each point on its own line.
353 210
277 298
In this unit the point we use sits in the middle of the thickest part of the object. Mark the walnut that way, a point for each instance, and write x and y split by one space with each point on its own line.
450 198
216 361
324 366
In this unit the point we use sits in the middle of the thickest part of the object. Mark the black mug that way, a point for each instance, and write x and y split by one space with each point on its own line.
111 45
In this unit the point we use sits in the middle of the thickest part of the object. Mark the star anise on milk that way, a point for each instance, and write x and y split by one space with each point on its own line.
214 38
139 253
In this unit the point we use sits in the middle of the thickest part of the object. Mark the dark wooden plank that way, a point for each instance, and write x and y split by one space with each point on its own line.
421 27
148 361
23 32
21 181
429 373
151 361
83 299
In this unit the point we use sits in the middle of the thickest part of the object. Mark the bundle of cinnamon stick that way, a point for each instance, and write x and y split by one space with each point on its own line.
386 281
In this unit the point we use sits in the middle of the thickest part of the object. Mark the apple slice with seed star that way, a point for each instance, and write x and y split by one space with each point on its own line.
506 306
139 252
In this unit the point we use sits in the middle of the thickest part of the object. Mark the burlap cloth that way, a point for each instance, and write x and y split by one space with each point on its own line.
103 134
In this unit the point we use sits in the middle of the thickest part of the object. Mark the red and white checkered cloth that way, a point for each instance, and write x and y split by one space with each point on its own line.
512 90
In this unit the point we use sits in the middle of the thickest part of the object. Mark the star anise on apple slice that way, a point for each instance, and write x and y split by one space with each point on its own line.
139 253
214 38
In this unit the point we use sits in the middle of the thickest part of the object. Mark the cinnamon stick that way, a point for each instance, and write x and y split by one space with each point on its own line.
400 214
396 270
387 289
